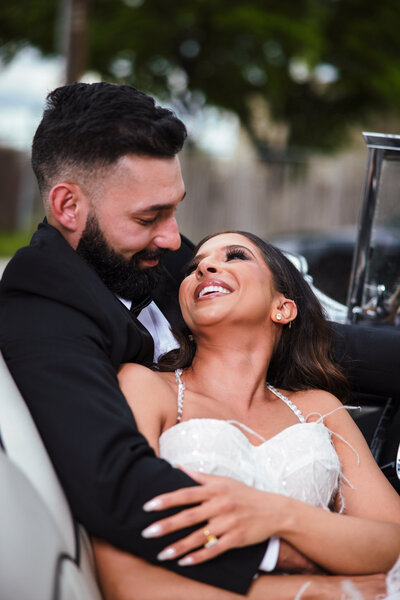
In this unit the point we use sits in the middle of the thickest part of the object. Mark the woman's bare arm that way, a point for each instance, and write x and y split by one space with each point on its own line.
368 534
150 398
126 577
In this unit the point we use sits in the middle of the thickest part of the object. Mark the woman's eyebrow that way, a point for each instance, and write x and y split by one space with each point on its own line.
239 246
226 249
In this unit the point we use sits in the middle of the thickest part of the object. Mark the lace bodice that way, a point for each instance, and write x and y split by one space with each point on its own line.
299 461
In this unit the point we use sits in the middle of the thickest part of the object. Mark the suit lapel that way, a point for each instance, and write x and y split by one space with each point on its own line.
166 293
166 298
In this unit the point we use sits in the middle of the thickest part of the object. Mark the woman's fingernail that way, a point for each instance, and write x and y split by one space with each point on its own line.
184 562
152 531
167 554
152 505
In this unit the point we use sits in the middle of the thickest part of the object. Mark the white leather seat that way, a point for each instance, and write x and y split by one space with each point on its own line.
31 543
25 448
43 556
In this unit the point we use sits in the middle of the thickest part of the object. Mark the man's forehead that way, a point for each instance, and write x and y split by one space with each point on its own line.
139 163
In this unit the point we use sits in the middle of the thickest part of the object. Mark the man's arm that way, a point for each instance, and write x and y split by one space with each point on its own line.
105 465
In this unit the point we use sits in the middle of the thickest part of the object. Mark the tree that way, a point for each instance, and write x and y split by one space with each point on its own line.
316 66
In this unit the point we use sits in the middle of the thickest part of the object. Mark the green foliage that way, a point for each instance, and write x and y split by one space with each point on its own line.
11 242
317 66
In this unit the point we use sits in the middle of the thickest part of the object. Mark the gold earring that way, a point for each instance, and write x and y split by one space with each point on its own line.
278 317
290 324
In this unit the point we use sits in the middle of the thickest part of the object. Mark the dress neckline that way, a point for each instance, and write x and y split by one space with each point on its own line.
237 427
277 393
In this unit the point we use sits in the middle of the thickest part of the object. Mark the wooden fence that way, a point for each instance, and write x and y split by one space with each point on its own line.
265 198
271 198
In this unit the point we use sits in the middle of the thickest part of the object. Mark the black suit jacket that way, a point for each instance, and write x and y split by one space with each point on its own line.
64 335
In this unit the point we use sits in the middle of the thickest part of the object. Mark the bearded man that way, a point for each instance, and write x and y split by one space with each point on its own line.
96 288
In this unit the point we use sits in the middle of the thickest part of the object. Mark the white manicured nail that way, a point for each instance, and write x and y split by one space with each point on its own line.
167 554
152 505
152 531
184 562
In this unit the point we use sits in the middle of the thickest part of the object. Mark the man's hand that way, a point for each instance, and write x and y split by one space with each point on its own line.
291 560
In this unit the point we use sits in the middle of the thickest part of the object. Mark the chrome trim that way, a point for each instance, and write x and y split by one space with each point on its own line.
381 146
382 141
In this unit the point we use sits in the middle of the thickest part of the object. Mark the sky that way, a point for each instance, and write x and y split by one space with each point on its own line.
25 82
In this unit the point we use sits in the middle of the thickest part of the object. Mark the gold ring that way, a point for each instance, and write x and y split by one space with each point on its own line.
211 539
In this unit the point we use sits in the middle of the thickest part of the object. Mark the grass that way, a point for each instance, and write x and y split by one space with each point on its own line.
11 241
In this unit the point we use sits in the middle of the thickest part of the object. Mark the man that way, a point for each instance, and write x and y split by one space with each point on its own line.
105 160
74 302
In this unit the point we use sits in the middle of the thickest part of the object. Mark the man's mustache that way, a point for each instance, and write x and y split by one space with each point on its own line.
150 254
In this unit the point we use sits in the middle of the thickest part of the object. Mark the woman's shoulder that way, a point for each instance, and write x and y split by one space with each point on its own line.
316 403
129 371
145 381
150 394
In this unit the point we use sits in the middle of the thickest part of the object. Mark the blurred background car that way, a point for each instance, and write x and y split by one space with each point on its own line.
329 256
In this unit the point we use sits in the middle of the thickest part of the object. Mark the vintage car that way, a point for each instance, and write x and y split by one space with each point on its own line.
373 294
44 553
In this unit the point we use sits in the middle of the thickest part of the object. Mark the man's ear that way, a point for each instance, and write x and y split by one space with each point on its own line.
284 311
68 206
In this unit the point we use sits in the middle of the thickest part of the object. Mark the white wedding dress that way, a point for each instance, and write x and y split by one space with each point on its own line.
300 461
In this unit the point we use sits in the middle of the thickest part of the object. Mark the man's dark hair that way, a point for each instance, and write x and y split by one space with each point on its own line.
90 126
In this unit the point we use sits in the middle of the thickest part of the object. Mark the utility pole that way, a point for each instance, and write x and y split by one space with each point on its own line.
74 37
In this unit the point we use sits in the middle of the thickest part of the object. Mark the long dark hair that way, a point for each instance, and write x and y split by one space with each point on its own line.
303 358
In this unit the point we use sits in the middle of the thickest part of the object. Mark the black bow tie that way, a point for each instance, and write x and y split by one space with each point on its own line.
138 304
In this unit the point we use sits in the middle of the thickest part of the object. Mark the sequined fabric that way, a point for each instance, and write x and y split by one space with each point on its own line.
300 461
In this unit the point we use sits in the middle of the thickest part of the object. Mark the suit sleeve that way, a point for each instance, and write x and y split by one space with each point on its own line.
60 362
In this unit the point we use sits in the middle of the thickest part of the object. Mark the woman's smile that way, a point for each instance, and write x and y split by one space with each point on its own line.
211 288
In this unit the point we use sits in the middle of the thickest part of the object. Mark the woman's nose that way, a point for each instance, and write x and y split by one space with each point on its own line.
206 266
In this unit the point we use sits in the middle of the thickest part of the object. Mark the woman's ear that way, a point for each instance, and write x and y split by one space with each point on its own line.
284 311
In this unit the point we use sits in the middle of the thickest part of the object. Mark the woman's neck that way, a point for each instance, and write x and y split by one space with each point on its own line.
231 367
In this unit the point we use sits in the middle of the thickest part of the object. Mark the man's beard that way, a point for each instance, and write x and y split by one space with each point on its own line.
122 276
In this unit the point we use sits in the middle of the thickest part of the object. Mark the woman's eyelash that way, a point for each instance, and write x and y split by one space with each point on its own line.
236 253
191 267
233 253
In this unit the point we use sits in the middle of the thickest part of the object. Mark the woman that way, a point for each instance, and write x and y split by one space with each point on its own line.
252 318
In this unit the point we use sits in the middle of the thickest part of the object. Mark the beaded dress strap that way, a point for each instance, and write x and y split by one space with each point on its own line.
288 402
181 392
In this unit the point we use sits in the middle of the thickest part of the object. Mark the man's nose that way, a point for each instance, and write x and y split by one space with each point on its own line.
168 235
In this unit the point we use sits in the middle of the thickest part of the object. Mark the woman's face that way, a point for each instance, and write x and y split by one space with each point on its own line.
228 280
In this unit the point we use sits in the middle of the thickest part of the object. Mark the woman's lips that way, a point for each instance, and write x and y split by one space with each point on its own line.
211 288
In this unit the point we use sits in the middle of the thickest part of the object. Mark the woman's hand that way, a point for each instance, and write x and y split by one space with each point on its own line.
231 515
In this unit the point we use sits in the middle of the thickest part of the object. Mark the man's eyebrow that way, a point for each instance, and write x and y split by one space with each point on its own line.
226 249
159 207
